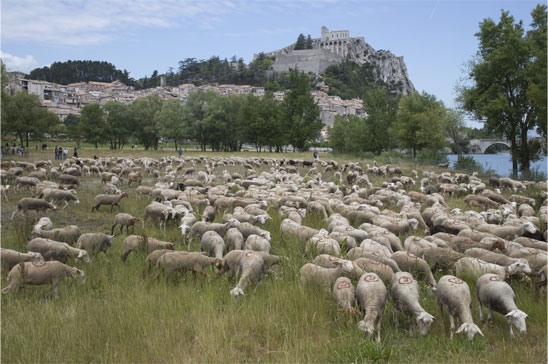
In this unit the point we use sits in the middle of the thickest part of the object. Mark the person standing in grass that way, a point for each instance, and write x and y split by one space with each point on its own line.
180 151
65 153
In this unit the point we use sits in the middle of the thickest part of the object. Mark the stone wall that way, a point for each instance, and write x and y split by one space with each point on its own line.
307 60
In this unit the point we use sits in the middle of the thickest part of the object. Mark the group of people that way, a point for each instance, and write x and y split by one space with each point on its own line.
20 150
61 153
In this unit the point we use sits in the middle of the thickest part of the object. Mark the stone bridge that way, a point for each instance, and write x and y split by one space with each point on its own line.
481 145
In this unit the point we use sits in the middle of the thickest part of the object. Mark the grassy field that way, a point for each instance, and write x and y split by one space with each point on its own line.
117 316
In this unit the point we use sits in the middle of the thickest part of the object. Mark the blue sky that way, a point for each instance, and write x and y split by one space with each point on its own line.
436 38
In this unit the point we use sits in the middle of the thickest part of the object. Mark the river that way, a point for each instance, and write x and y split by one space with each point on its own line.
501 163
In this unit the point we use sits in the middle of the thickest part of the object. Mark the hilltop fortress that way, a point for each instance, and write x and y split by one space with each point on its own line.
335 47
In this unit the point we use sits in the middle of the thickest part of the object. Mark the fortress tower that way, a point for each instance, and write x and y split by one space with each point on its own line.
335 41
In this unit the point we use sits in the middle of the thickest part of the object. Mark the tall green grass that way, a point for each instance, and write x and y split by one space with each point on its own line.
119 317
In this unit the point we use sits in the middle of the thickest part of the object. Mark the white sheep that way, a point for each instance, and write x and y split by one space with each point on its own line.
497 295
405 293
251 267
94 243
474 268
257 243
213 244
325 277
55 250
371 294
454 294
10 258
345 295
42 273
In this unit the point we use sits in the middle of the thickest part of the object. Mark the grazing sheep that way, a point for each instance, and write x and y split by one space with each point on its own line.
42 273
251 267
345 296
491 257
4 190
371 295
29 182
158 211
213 244
454 294
405 293
497 295
474 268
111 200
176 261
247 229
126 220
68 234
257 243
63 196
143 190
55 250
29 203
234 239
134 242
201 227
325 277
68 179
417 266
10 258
94 243
111 189
480 201
507 232
291 228
152 259
384 271
208 214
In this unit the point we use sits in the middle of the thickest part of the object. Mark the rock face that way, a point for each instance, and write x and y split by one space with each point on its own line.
336 47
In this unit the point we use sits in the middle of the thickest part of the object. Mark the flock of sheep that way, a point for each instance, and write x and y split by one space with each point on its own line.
359 255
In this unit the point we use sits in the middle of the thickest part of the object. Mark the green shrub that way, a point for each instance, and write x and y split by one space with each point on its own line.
431 156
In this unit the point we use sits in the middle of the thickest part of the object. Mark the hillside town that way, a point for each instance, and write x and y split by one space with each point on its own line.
64 100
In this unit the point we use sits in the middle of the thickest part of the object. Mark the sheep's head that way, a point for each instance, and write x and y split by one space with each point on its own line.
517 318
470 329
79 275
233 223
266 235
218 263
414 223
236 292
519 266
424 320
82 254
36 257
323 232
529 227
367 327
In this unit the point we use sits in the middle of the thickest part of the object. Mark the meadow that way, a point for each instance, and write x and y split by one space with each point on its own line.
117 316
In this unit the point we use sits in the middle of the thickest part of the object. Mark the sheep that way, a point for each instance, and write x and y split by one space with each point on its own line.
251 267
94 243
497 295
111 200
536 258
29 203
29 182
4 190
491 257
143 190
230 262
111 189
405 293
417 266
247 229
454 294
68 179
480 201
134 177
324 277
126 220
55 250
173 262
371 295
10 258
152 259
133 242
234 239
64 196
42 273
208 214
158 211
345 295
507 232
212 243
68 234
384 271
440 258
201 227
474 268
257 243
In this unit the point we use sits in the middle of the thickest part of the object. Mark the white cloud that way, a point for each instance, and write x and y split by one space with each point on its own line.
20 64
83 22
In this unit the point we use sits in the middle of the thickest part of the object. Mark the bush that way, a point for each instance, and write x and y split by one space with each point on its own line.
431 156
468 164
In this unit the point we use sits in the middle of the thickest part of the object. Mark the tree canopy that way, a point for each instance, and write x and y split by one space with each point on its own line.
80 71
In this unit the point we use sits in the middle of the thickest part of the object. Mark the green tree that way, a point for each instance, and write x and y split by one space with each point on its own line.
170 121
308 42
301 42
118 123
419 123
503 77
73 131
381 109
300 111
195 116
454 123
537 68
145 116
92 124
24 116
271 114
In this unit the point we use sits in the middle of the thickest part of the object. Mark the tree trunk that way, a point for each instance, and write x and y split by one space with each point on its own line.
27 139
513 150
524 147
96 145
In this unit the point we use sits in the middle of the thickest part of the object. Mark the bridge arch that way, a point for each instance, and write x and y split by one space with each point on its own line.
495 143
481 145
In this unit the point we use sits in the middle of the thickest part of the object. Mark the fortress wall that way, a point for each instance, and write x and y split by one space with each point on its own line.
308 60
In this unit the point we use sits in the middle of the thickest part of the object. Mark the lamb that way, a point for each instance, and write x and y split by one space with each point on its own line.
234 239
454 294
212 243
201 227
474 268
497 295
133 242
411 263
68 234
29 203
345 295
405 293
94 243
208 214
325 277
126 220
251 267
257 243
371 295
111 200
173 262
55 250
111 189
10 258
43 273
